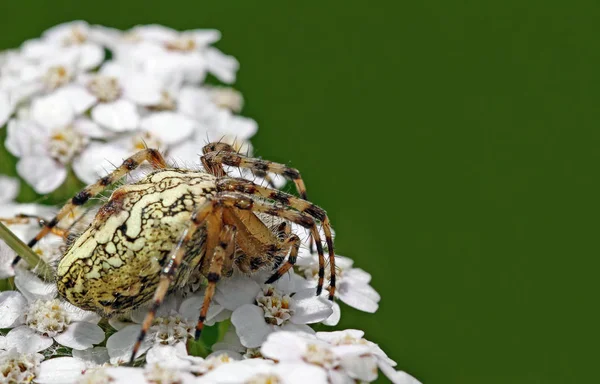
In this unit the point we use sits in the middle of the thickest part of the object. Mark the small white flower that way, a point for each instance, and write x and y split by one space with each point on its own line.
257 311
172 326
352 283
44 151
7 107
16 367
9 188
38 318
341 362
258 371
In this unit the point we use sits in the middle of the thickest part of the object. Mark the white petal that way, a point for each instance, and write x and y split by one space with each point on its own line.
78 314
239 127
334 319
284 346
119 116
92 356
32 287
236 291
290 327
357 274
52 111
26 340
250 325
166 355
359 296
90 128
60 370
190 309
12 306
80 99
336 336
90 56
223 66
397 377
230 341
118 323
120 344
6 108
169 127
9 188
300 373
142 89
80 335
309 308
360 367
25 138
43 173
204 37
126 375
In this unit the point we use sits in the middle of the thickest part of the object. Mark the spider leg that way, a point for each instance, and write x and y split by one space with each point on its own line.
292 242
247 187
151 155
226 239
210 214
217 154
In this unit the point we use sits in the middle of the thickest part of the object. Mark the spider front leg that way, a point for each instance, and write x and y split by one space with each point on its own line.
247 187
151 155
217 154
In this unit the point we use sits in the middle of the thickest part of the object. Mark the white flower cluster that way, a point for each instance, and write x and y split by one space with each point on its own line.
85 97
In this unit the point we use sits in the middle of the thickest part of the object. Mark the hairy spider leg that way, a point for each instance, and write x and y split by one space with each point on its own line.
150 155
217 154
209 214
249 188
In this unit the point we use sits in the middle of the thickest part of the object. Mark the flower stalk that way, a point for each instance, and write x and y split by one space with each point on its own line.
39 266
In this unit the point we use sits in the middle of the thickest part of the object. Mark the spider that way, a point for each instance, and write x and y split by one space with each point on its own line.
152 235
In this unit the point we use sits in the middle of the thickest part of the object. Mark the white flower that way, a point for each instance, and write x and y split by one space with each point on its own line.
257 371
172 325
16 367
352 283
354 337
9 188
7 106
44 151
341 362
257 311
38 318
70 369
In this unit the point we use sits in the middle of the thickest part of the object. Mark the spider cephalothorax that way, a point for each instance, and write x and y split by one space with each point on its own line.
152 235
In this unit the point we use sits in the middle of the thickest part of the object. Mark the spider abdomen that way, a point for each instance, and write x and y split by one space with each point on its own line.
115 264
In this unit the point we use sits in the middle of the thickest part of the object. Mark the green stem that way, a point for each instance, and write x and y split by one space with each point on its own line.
40 267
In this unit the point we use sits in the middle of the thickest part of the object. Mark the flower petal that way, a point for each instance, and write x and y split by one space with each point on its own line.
97 160
12 306
32 287
397 377
60 370
190 309
43 173
119 116
169 127
80 335
78 314
92 356
334 319
6 108
236 291
52 111
120 344
284 346
309 308
250 325
223 66
26 340
80 99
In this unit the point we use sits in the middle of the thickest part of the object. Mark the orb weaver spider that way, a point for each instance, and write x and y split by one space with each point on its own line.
153 234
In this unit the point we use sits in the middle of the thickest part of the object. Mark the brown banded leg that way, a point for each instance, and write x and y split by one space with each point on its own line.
220 255
292 242
247 202
247 187
150 155
217 154
210 214
206 214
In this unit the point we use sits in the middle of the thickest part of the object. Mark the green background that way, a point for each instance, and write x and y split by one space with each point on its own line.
455 147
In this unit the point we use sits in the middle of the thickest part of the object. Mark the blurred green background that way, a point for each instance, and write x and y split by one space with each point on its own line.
455 147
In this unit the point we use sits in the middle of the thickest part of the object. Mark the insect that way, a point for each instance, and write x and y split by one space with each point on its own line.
153 234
